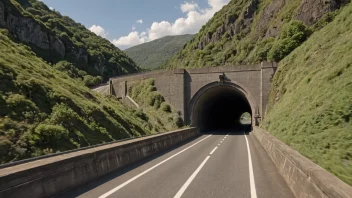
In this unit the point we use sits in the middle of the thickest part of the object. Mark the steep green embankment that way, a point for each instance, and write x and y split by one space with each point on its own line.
251 31
153 54
311 99
44 110
56 38
150 100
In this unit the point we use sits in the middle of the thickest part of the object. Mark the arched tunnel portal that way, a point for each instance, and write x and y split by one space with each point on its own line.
219 106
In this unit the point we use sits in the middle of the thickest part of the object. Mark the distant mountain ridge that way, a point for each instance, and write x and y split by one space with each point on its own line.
153 54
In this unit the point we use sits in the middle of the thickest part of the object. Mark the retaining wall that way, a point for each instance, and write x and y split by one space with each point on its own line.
50 176
304 177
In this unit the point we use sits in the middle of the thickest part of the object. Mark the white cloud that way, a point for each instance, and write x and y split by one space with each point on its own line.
189 6
98 30
51 8
133 27
195 17
133 38
139 21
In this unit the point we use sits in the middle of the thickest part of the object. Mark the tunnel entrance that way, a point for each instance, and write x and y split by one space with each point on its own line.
219 107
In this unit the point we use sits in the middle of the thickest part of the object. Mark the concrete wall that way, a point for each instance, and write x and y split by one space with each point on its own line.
180 86
305 178
50 176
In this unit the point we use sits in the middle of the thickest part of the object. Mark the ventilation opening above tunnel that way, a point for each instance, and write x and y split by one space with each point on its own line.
219 107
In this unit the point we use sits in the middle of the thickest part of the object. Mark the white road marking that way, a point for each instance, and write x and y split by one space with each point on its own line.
190 179
251 174
218 144
148 170
213 151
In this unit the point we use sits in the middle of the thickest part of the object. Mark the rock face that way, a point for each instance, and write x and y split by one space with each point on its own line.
308 11
27 30
53 47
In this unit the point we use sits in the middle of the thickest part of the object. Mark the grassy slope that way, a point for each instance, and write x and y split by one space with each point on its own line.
153 54
102 53
146 95
44 110
249 45
311 100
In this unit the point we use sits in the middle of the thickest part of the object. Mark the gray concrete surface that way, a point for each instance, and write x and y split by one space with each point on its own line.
53 175
305 178
224 174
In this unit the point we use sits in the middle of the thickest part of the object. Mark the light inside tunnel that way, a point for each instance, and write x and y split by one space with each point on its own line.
220 107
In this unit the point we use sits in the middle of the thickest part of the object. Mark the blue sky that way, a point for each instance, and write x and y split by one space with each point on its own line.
116 20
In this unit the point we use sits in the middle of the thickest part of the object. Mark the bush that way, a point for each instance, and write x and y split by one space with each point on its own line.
140 114
47 135
20 106
293 35
166 107
90 81
179 122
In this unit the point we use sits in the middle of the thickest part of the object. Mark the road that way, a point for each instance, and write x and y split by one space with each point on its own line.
224 164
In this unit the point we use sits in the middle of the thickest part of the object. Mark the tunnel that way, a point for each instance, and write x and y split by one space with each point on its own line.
219 107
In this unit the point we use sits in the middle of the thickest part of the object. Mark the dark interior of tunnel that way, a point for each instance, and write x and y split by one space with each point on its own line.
220 107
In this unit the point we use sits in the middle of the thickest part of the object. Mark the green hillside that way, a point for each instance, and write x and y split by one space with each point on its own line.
311 99
54 38
44 110
251 31
153 54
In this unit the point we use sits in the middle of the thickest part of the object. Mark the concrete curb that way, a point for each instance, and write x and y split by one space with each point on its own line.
50 176
305 178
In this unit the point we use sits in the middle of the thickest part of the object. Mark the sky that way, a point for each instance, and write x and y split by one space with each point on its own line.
127 23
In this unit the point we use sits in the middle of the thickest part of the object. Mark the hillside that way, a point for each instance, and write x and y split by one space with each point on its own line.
153 54
311 98
45 110
251 31
55 38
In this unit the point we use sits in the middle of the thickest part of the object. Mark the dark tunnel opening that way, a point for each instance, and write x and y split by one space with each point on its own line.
220 107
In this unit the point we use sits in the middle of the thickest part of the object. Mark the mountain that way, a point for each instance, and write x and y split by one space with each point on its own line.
45 106
153 54
55 38
251 31
311 99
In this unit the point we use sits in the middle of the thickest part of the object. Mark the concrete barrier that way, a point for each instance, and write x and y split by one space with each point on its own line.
305 178
50 176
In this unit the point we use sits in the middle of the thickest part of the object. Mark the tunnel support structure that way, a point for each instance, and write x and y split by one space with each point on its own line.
182 87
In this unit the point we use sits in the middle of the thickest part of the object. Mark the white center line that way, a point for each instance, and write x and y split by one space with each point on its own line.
190 179
148 170
251 174
213 151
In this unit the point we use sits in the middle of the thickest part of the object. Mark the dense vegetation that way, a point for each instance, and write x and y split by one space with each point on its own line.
89 52
146 95
249 31
153 54
311 99
44 110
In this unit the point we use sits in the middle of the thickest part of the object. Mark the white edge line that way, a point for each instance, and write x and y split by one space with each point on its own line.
213 151
146 171
251 174
190 179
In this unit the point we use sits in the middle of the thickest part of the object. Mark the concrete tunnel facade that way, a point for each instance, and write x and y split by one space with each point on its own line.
219 106
209 98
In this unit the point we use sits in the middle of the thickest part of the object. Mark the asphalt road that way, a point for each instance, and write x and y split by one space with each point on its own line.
213 165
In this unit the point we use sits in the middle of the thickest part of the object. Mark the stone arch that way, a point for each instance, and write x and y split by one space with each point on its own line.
237 88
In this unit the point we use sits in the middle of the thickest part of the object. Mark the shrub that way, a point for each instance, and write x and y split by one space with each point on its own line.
140 114
293 35
20 106
166 107
179 122
47 135
90 81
